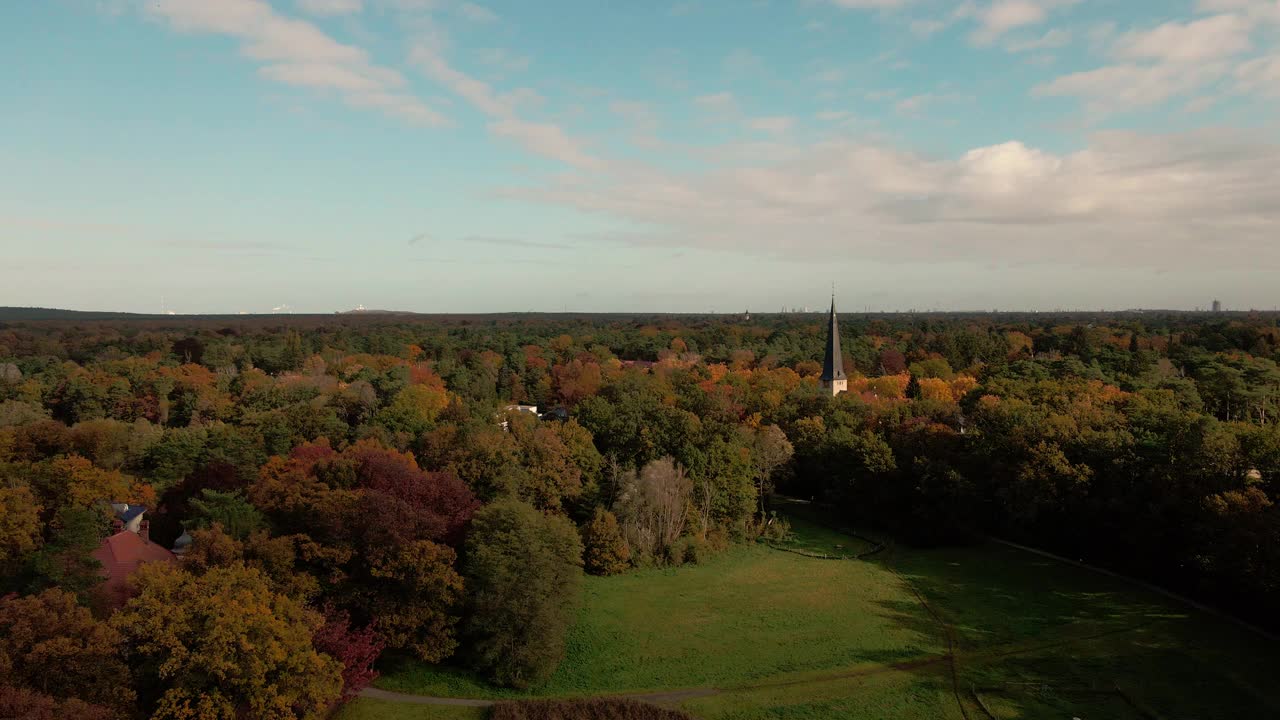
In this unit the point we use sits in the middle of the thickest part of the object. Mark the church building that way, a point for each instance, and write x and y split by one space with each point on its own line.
833 377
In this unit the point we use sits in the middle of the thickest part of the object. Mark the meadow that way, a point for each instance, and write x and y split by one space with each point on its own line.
977 632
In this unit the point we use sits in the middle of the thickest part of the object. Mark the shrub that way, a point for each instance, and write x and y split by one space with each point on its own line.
598 709
694 551
605 550
773 527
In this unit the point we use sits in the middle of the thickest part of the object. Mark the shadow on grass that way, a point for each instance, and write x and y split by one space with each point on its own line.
1046 639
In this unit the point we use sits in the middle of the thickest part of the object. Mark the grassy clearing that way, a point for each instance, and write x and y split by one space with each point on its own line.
785 636
750 614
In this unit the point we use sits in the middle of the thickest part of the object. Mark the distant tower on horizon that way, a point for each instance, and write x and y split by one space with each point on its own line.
833 378
1217 306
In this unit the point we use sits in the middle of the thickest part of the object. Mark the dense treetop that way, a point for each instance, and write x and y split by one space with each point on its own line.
368 479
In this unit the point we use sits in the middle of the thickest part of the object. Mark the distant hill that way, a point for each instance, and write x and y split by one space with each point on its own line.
372 311
32 314
35 313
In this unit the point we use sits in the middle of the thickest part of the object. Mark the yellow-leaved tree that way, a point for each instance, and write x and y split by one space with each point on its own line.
222 646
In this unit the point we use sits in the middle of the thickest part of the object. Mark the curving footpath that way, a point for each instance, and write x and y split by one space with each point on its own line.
660 698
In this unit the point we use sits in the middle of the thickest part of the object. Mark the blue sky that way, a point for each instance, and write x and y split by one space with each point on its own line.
437 155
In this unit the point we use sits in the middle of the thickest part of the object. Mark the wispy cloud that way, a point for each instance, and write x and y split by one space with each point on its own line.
326 8
477 13
545 139
926 27
1051 39
997 17
1157 64
296 52
870 4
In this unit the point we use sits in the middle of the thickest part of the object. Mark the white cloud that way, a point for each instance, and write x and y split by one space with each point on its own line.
1128 86
1054 38
1210 38
1206 200
916 104
1255 10
1001 16
927 27
1158 64
545 139
299 53
476 13
869 4
1260 76
331 75
326 8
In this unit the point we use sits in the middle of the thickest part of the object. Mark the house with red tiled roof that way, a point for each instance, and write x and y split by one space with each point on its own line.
124 552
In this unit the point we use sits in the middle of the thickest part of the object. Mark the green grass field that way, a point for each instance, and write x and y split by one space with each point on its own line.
785 636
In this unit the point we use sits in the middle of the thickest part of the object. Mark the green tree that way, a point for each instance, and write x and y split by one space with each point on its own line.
414 598
229 509
65 560
523 570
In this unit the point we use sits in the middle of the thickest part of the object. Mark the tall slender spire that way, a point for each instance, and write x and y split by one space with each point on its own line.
833 363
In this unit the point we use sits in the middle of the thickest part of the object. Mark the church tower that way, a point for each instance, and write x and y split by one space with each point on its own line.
833 377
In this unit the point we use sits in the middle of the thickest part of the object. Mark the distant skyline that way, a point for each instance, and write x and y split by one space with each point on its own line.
206 156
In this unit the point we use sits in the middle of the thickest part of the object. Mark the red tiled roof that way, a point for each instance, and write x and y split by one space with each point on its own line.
120 555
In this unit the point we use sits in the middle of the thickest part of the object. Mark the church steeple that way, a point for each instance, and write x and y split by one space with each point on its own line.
833 377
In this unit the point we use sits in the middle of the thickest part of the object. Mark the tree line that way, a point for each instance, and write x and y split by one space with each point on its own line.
353 487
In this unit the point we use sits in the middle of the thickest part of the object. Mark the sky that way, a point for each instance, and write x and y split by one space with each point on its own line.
639 155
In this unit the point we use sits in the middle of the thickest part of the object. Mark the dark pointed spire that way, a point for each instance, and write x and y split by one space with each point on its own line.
833 363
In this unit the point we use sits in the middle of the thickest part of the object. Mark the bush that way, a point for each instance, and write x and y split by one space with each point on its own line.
694 551
673 554
605 550
773 527
599 709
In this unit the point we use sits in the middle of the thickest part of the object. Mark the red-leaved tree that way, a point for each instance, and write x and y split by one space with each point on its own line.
356 649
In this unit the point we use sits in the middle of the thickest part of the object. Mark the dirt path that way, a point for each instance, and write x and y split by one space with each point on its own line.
376 694
664 697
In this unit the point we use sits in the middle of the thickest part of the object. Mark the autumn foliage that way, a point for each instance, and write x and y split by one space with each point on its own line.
356 648
605 550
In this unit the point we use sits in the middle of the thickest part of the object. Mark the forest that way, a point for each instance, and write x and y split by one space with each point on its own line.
344 491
